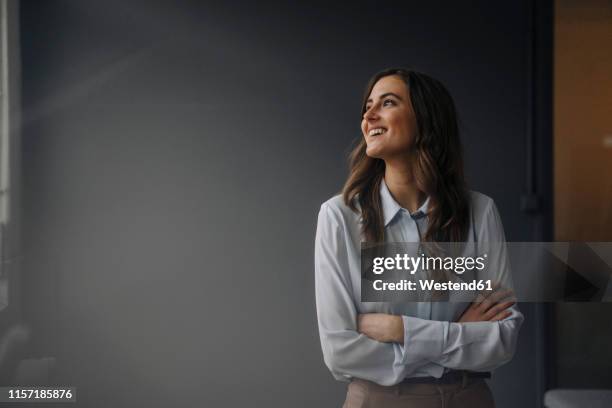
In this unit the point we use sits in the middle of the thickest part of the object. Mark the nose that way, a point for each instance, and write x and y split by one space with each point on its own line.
370 114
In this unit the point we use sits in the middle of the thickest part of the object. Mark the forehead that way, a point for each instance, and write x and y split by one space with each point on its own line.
391 83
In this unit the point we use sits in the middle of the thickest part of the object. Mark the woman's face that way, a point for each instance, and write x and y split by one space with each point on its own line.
389 124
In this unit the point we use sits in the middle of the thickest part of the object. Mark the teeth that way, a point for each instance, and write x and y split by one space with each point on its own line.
376 131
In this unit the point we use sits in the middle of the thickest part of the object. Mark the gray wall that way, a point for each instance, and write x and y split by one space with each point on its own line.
174 159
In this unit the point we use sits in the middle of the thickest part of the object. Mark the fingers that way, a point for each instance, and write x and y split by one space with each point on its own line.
495 298
499 308
490 306
501 316
367 319
479 299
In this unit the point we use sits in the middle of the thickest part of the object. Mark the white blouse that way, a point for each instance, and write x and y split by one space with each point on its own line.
433 342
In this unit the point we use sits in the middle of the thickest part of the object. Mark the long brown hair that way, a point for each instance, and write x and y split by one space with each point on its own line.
437 167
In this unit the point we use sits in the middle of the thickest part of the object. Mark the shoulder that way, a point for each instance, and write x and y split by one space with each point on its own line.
335 209
336 203
485 217
481 204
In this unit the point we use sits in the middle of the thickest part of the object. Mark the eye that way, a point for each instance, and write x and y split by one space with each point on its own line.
388 102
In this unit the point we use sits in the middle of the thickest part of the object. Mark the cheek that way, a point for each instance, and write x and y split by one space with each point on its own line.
406 129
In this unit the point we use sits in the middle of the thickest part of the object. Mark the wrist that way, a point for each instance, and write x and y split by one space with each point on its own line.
399 330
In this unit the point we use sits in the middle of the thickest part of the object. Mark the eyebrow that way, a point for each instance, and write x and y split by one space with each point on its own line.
385 95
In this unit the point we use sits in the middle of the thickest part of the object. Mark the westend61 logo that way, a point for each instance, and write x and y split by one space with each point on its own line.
411 264
400 271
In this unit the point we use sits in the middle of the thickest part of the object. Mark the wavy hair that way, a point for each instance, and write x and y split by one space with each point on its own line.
437 166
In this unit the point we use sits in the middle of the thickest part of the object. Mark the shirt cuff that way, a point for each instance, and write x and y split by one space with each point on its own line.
423 339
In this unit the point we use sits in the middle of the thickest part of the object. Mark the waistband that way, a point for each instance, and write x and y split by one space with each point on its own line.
450 377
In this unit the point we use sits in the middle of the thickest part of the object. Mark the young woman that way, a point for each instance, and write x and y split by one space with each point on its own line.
406 184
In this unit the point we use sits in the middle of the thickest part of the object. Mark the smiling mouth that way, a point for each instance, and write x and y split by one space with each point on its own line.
376 131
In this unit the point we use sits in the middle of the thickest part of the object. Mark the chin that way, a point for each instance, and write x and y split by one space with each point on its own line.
373 153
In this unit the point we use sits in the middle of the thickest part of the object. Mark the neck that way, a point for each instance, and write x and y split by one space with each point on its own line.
401 184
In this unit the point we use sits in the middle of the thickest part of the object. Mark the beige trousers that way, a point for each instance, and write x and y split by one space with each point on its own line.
472 393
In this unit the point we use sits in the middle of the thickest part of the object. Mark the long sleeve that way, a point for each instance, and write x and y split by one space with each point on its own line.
347 353
478 346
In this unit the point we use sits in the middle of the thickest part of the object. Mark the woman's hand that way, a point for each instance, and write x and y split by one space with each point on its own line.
382 327
489 308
